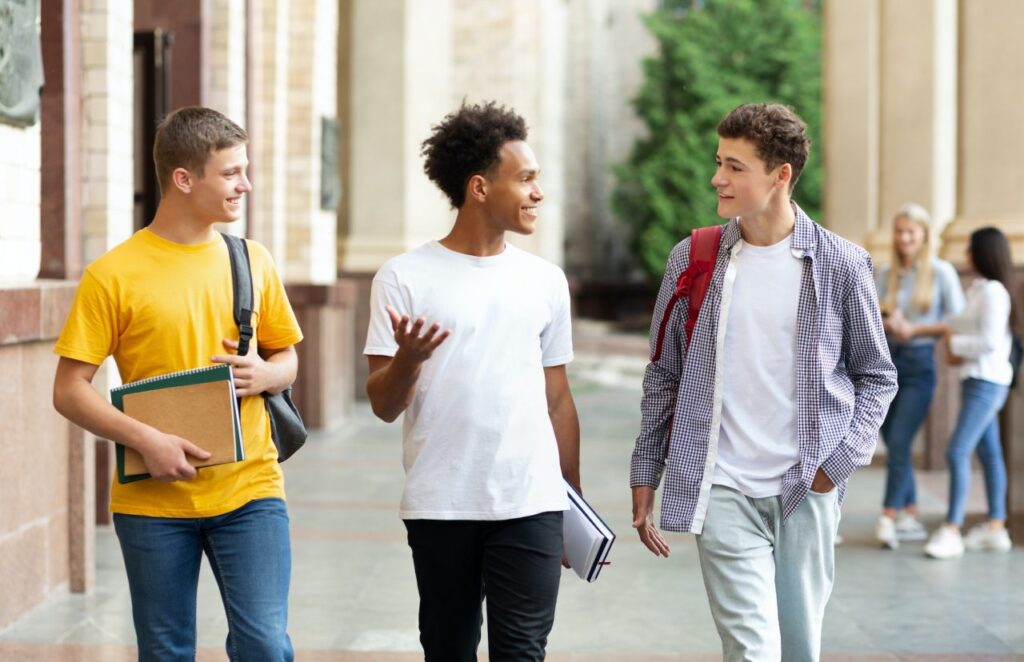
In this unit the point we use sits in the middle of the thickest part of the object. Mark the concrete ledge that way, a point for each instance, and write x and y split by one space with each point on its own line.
325 387
34 311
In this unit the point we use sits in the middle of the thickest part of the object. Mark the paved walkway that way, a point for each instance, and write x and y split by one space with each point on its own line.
353 595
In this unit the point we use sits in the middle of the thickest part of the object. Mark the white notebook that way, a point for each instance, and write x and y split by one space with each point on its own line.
587 539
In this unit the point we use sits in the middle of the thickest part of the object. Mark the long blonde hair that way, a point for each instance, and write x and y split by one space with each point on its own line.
923 294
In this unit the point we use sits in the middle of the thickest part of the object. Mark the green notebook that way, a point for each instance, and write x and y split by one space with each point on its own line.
199 405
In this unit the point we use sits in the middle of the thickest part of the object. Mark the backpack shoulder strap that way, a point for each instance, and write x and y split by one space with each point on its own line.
704 244
693 282
241 279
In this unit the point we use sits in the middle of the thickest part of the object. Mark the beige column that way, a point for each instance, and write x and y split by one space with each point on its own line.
990 185
399 84
917 147
311 97
269 131
851 127
224 69
529 40
107 120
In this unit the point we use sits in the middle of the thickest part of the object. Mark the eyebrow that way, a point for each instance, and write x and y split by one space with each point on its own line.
730 159
528 171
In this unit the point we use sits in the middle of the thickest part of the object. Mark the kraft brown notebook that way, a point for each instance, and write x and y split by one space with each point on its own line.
199 405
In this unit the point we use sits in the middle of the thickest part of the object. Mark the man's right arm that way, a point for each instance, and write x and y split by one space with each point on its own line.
661 386
76 399
392 380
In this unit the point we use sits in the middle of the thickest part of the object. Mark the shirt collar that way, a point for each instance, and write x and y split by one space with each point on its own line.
804 238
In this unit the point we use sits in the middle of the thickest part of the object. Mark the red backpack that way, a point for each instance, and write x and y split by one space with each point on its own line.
693 282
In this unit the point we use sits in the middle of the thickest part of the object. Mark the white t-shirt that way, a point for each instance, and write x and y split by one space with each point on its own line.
758 440
478 443
981 333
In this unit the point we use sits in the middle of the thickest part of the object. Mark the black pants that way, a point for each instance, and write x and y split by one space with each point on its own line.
515 563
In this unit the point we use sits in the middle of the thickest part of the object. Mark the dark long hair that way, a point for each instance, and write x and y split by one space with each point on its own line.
990 253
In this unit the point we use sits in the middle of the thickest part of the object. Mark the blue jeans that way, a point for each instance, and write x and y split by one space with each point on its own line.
915 375
250 553
977 427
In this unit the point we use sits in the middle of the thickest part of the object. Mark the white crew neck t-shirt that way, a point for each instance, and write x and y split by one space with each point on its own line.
477 440
758 440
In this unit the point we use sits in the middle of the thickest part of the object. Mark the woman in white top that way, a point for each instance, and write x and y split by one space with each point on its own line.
979 341
918 293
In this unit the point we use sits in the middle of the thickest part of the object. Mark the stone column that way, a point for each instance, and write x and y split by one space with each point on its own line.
990 188
223 71
269 130
917 149
530 40
851 130
107 120
399 85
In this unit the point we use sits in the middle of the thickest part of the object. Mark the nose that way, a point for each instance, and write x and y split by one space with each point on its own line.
537 193
245 185
717 180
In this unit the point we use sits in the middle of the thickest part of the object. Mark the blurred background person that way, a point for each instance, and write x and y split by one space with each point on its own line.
979 341
918 293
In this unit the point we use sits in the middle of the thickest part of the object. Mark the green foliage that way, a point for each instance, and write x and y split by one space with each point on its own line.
710 59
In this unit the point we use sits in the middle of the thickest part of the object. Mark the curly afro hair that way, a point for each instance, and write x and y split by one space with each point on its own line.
466 143
777 133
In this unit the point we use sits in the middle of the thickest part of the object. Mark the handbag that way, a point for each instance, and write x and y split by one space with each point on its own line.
286 426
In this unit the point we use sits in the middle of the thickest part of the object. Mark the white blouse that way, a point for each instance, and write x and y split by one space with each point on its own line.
981 333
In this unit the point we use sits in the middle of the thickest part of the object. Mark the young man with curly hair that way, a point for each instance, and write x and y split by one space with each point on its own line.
469 337
759 418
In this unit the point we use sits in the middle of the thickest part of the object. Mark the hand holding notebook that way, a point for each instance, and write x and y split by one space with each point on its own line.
586 538
197 405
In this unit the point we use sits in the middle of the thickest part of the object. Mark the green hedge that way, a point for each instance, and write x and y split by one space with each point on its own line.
712 58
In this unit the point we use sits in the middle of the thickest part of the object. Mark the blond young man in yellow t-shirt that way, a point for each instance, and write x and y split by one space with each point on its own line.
162 302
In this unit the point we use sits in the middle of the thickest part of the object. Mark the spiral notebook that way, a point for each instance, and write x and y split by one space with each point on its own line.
199 405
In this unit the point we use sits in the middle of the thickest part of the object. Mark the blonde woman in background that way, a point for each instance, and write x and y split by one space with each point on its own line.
918 293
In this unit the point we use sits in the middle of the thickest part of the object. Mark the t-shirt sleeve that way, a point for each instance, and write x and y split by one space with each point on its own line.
277 327
90 332
556 339
380 337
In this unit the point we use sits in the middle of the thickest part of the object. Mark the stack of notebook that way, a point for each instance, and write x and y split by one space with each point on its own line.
198 405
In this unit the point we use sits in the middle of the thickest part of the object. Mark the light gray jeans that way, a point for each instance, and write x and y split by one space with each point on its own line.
767 580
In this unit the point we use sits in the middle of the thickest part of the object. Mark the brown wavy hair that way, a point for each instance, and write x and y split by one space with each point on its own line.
777 133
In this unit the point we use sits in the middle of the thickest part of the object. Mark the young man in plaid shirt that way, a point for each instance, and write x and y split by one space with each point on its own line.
758 420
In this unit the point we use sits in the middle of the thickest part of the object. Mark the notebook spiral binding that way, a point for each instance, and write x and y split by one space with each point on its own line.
180 373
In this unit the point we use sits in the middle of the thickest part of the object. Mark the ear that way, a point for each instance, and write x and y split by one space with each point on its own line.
784 176
476 188
182 180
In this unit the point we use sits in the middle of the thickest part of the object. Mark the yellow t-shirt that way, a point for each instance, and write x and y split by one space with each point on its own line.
159 307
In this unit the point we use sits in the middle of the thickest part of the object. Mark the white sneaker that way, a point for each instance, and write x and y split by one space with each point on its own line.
983 538
885 531
909 527
945 543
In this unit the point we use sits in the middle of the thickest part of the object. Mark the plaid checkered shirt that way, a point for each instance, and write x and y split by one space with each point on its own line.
845 378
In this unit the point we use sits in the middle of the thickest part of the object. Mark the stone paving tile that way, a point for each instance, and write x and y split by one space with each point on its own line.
353 596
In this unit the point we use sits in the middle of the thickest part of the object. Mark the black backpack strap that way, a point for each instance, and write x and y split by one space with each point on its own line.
241 278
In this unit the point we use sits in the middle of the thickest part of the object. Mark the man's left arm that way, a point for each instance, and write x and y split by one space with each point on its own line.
565 421
870 368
